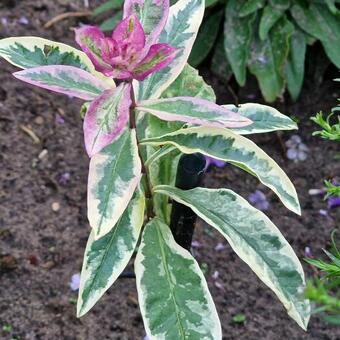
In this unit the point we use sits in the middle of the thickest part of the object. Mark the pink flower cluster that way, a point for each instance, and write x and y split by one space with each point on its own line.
125 55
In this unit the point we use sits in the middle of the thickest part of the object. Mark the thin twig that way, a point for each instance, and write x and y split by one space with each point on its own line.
27 130
232 92
65 16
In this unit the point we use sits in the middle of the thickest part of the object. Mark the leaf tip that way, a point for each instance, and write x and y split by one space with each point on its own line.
81 311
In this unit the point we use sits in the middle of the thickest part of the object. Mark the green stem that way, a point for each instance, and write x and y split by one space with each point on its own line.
145 171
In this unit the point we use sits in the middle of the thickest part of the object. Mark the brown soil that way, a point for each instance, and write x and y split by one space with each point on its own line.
43 225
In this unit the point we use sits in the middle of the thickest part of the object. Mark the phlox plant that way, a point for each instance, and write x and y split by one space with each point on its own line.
324 291
145 107
330 132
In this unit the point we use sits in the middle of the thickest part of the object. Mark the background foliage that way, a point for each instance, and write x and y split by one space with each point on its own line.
267 37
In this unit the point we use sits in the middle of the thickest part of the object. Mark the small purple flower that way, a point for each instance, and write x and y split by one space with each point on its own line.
4 21
323 212
259 200
195 244
297 151
220 246
219 285
214 162
75 282
315 192
59 119
308 252
215 275
23 21
333 202
64 178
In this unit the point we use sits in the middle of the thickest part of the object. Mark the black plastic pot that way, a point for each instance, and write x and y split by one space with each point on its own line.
189 175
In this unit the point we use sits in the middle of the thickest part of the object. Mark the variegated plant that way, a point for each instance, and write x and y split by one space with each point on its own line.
134 133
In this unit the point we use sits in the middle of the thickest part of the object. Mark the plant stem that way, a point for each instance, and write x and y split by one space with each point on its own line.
145 172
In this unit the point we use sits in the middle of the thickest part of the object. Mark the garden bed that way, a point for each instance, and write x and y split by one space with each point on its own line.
43 224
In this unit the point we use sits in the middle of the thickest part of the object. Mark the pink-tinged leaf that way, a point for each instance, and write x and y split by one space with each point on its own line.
129 34
93 42
121 74
180 32
159 56
194 111
106 118
152 14
68 80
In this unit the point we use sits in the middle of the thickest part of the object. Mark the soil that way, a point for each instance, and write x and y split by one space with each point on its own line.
43 224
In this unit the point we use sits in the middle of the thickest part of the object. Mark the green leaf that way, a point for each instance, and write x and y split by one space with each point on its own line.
332 7
110 23
267 59
180 32
237 38
107 6
113 177
163 151
295 66
282 5
210 3
250 6
106 258
190 84
219 62
269 18
163 171
31 52
255 239
206 38
173 295
227 146
318 21
265 119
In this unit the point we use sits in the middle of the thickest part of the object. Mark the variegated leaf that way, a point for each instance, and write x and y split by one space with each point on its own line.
68 80
228 146
158 57
106 258
193 111
190 84
113 177
173 295
180 32
264 119
106 117
255 239
163 171
163 151
31 52
151 14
